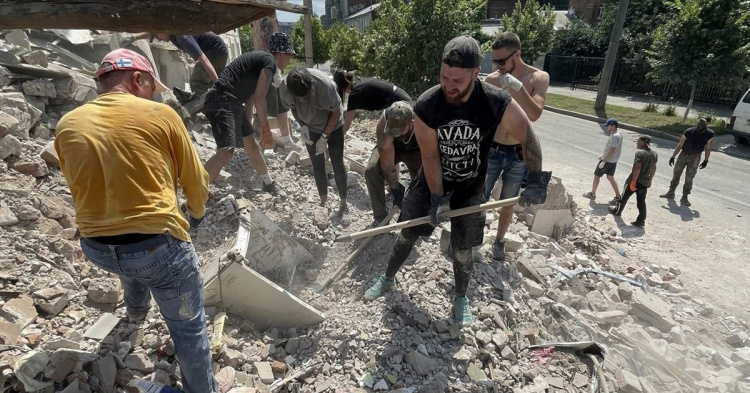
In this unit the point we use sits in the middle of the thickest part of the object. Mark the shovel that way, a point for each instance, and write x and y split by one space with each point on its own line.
426 219
342 267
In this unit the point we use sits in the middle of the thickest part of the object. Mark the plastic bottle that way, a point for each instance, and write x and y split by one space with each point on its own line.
152 387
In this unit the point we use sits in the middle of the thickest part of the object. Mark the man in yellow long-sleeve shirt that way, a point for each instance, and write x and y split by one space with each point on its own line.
123 156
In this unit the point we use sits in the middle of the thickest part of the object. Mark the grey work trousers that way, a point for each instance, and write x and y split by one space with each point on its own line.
375 178
689 161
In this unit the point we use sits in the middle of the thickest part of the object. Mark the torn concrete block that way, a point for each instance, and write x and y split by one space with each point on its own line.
9 146
5 75
9 332
54 306
18 38
62 343
513 242
475 373
627 382
104 291
421 363
40 88
139 361
552 223
244 292
61 369
534 289
102 327
36 57
8 123
652 310
266 247
21 309
7 217
32 166
611 317
738 338
264 371
105 369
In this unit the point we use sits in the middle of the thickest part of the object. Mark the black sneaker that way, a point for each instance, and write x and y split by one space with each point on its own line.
273 190
613 210
498 250
684 201
639 224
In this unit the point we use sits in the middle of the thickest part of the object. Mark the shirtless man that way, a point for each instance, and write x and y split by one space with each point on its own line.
528 87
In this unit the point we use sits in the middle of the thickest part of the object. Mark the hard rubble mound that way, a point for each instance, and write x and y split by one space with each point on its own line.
64 322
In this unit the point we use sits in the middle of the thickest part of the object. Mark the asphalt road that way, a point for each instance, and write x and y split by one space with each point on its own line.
709 239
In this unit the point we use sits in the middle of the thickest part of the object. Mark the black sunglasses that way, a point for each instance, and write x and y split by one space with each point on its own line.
501 62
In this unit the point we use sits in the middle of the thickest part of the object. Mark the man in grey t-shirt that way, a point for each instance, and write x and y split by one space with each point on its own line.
639 181
608 161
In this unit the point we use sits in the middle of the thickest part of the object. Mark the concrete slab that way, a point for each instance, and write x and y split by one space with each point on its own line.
21 310
268 248
244 292
552 222
9 332
102 327
652 310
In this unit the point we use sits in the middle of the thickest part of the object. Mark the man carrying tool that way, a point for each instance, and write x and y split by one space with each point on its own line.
694 141
123 157
245 81
528 87
395 143
454 125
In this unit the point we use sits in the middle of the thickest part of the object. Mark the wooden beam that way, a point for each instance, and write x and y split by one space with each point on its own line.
156 16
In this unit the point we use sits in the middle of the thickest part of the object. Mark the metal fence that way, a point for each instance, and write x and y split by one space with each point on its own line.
629 77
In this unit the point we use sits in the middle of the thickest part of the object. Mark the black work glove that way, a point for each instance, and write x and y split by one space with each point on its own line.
671 161
435 202
398 194
194 222
703 164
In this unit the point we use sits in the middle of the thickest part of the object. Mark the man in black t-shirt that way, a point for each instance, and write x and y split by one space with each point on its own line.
694 141
455 124
395 143
229 107
207 49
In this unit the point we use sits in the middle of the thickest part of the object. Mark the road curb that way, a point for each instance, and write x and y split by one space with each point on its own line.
629 127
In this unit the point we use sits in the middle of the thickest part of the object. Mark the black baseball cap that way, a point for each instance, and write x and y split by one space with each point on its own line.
462 51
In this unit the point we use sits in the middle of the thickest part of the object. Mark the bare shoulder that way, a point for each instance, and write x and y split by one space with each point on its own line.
493 78
539 82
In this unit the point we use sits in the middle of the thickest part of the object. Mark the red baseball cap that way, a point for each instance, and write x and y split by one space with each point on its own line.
127 60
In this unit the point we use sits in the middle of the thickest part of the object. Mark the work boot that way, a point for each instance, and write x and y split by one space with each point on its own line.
669 195
343 214
498 250
614 210
380 287
183 97
639 224
462 311
684 201
535 192
273 190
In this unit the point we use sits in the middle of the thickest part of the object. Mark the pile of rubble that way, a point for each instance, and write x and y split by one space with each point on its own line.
573 309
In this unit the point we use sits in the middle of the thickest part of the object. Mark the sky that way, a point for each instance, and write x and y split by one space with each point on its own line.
318 8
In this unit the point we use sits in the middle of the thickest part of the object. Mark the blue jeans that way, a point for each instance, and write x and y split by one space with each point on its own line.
168 269
511 166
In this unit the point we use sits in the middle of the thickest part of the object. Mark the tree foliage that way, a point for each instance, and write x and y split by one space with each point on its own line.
321 47
405 43
246 38
582 39
707 41
346 46
534 23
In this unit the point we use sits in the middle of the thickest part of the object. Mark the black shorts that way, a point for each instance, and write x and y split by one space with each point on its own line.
274 106
466 231
229 123
609 169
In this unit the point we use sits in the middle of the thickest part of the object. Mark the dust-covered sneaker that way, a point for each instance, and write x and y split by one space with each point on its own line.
614 210
462 311
498 250
614 201
273 190
590 195
380 287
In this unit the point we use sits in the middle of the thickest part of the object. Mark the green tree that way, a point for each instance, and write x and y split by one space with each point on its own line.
321 47
534 25
246 38
708 41
405 43
345 46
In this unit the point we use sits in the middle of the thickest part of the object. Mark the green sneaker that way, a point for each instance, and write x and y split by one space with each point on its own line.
462 311
380 287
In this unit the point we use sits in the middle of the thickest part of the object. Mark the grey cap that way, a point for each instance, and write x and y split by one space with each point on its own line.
281 43
398 116
462 51
645 139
